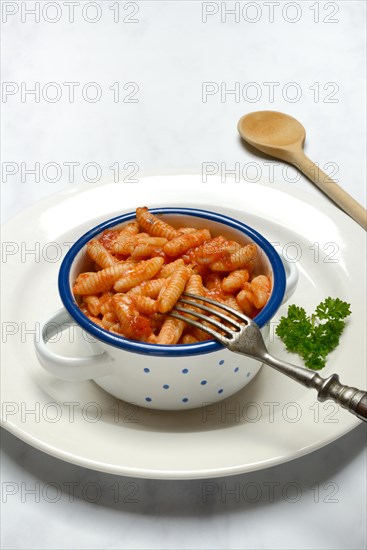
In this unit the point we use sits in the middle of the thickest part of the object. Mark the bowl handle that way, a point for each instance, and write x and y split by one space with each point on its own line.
291 274
68 368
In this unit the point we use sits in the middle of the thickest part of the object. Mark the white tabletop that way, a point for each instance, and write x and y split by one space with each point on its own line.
164 83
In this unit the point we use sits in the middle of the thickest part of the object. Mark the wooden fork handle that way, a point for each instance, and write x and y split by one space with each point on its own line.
330 188
352 399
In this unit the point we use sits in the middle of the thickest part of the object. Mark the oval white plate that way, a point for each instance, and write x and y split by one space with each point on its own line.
270 421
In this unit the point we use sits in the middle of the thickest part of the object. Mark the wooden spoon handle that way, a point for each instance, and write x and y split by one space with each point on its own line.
331 188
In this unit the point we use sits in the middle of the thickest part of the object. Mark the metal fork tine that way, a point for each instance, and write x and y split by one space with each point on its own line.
230 309
200 326
204 318
210 310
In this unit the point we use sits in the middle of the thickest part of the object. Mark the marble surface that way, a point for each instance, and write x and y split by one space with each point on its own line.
165 105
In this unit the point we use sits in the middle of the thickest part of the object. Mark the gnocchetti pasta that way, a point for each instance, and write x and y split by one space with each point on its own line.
142 269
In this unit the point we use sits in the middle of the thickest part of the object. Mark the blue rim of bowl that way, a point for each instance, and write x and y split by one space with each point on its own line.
208 346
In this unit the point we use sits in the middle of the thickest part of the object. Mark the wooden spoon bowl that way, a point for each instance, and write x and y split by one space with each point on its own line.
282 136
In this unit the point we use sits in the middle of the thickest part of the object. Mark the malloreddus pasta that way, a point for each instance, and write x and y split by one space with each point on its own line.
142 269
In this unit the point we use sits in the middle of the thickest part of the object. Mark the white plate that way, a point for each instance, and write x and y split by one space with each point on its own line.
272 420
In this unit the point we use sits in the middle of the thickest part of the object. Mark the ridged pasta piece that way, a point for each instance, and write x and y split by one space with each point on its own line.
93 304
125 240
105 303
183 243
212 251
101 281
82 276
132 228
186 230
153 225
97 252
260 287
175 286
127 244
240 259
235 280
149 288
154 241
108 237
133 325
232 302
144 270
145 250
189 339
231 247
171 331
168 269
143 304
124 244
109 319
209 252
117 329
83 307
245 300
195 285
163 288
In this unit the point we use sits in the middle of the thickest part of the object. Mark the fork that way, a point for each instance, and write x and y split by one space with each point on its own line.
241 334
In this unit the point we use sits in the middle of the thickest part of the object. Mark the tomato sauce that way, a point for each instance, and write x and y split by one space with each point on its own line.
141 327
108 237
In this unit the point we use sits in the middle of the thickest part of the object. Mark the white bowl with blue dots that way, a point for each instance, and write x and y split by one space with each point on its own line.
156 376
182 382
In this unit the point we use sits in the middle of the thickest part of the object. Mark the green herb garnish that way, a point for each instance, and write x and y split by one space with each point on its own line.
316 336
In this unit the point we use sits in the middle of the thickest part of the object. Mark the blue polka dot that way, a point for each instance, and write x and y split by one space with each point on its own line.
248 374
221 390
148 399
146 370
165 386
236 369
203 382
185 371
221 362
185 400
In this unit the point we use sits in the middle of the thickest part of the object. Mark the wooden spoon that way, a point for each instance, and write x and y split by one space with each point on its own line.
282 136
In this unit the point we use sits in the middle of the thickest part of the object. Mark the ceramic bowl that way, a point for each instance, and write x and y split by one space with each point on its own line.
159 376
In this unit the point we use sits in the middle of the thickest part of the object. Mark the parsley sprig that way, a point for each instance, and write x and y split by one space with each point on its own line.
314 337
